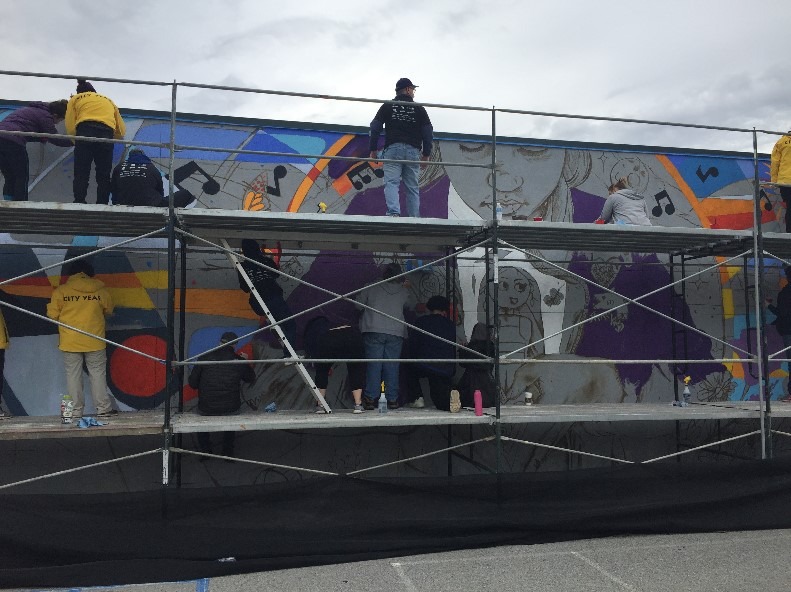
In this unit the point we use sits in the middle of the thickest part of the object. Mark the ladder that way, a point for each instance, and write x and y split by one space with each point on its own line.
297 361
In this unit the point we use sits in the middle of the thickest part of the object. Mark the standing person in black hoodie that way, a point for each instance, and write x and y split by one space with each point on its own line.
407 128
219 387
264 280
137 182
783 322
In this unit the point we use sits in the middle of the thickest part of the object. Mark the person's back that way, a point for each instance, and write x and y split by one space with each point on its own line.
137 182
389 298
424 346
81 302
219 385
625 206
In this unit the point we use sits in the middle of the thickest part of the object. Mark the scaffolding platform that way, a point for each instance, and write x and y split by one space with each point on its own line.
146 423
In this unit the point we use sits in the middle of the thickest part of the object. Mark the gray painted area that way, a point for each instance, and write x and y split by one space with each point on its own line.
709 562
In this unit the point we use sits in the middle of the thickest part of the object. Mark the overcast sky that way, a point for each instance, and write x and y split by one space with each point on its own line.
713 62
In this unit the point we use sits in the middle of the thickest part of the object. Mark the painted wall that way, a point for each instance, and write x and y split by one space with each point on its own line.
560 183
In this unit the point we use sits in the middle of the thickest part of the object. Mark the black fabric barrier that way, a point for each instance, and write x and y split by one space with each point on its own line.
82 540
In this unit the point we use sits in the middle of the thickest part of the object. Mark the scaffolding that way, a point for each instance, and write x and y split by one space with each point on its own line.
221 230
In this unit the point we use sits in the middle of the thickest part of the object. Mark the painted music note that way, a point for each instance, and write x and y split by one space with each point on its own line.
669 207
711 172
360 176
768 205
181 174
279 173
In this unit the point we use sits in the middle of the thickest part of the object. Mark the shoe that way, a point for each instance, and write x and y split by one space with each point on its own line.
786 399
319 410
393 215
455 401
393 405
358 409
369 404
418 403
5 414
111 413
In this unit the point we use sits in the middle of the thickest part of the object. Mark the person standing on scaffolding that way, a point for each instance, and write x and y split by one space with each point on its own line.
14 164
407 128
259 268
782 310
92 115
780 172
83 302
4 340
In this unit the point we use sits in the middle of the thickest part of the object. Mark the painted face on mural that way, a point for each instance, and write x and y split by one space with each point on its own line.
526 175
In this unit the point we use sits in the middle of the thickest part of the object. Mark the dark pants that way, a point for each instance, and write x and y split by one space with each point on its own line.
2 366
98 153
438 386
341 343
15 169
228 440
181 199
785 194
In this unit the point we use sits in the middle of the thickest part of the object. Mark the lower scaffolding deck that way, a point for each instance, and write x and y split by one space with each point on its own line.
145 423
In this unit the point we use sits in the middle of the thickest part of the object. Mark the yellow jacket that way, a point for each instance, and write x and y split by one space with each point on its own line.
91 106
781 161
3 334
82 302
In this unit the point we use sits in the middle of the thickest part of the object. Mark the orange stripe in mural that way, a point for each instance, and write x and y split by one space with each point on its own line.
307 182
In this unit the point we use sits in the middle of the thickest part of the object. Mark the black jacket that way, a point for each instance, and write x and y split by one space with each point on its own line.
783 311
219 384
404 124
137 182
422 346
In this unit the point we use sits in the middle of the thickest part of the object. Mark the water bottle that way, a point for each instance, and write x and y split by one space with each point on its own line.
528 398
383 400
478 399
498 209
66 409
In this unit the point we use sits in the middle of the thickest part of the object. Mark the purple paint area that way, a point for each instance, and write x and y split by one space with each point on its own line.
587 206
640 334
356 147
433 201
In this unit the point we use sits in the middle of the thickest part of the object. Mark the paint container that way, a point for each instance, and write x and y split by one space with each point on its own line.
538 219
528 398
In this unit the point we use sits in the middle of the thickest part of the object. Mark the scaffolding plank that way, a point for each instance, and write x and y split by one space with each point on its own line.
607 412
138 423
28 217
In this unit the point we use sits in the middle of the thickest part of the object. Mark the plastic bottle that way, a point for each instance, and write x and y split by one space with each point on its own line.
383 400
478 399
66 409
528 398
498 209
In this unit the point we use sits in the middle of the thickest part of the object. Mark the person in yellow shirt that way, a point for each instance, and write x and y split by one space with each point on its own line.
780 172
92 115
83 302
4 341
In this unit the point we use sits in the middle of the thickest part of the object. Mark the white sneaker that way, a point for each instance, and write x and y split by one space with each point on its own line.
418 403
455 401
358 409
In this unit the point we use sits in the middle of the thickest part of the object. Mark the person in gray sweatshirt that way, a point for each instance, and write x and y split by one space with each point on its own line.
625 206
383 337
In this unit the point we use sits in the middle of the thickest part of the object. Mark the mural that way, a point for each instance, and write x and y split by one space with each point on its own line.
536 299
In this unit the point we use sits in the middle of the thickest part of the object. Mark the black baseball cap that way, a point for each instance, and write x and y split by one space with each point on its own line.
404 83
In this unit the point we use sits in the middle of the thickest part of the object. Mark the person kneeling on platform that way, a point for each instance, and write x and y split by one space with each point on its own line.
219 388
477 377
323 341
427 346
137 182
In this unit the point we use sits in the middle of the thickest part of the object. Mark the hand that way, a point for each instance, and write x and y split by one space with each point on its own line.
244 355
424 158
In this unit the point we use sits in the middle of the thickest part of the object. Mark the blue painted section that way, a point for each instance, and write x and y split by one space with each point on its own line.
706 176
191 135
202 585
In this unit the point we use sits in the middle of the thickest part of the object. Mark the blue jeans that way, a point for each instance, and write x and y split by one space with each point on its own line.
382 346
395 172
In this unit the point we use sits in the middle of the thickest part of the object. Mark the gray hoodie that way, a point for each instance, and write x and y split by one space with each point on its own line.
390 298
626 207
